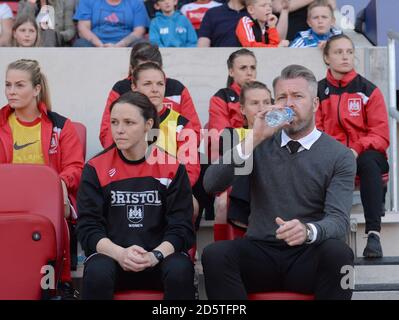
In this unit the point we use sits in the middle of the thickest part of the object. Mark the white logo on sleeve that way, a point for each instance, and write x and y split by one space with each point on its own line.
112 172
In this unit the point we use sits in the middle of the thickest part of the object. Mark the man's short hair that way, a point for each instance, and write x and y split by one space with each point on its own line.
320 3
295 71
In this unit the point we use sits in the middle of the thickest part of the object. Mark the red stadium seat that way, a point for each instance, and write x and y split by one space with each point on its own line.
28 242
138 295
81 131
280 296
31 207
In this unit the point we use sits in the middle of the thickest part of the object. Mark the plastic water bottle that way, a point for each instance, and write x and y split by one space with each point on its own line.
276 117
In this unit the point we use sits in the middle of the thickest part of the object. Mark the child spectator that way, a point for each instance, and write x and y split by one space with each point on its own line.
56 25
110 23
259 29
25 32
6 20
321 21
195 11
219 24
170 28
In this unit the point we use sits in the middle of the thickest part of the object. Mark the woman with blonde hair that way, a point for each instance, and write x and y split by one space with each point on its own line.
31 133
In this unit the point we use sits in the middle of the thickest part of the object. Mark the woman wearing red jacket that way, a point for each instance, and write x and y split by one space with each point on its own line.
31 133
224 106
225 112
352 110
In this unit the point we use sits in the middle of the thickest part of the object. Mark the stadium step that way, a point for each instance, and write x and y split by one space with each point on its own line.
384 261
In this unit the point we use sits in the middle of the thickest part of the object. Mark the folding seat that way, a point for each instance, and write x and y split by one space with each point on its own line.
31 230
81 131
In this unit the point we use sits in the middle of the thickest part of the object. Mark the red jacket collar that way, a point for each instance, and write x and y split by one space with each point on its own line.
236 87
7 110
348 78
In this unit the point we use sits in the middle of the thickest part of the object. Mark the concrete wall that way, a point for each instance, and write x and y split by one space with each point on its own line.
80 79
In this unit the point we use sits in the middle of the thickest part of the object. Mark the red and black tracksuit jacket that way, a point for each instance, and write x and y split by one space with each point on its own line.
249 34
353 111
61 147
142 202
224 112
177 97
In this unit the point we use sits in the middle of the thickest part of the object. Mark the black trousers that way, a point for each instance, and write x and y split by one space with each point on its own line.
371 165
237 267
103 276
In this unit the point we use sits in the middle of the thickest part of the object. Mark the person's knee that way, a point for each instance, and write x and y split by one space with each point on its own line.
335 254
215 256
368 160
179 270
99 272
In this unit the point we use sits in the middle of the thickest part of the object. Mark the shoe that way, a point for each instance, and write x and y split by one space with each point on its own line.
373 248
68 292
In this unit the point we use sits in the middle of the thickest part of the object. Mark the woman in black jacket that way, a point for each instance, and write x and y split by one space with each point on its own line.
135 210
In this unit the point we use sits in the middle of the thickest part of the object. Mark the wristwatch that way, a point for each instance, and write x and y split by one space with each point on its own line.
158 254
309 234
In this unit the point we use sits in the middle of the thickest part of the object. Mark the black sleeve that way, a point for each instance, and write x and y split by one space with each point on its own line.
91 226
179 212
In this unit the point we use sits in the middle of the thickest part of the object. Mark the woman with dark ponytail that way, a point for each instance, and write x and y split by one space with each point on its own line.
225 112
224 106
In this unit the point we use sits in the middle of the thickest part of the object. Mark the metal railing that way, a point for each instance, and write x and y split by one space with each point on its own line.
394 119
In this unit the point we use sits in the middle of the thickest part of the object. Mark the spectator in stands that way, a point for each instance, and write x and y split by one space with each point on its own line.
301 196
56 24
6 22
353 111
25 32
110 23
321 21
31 133
225 112
219 23
258 29
298 11
177 96
195 11
143 245
170 28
